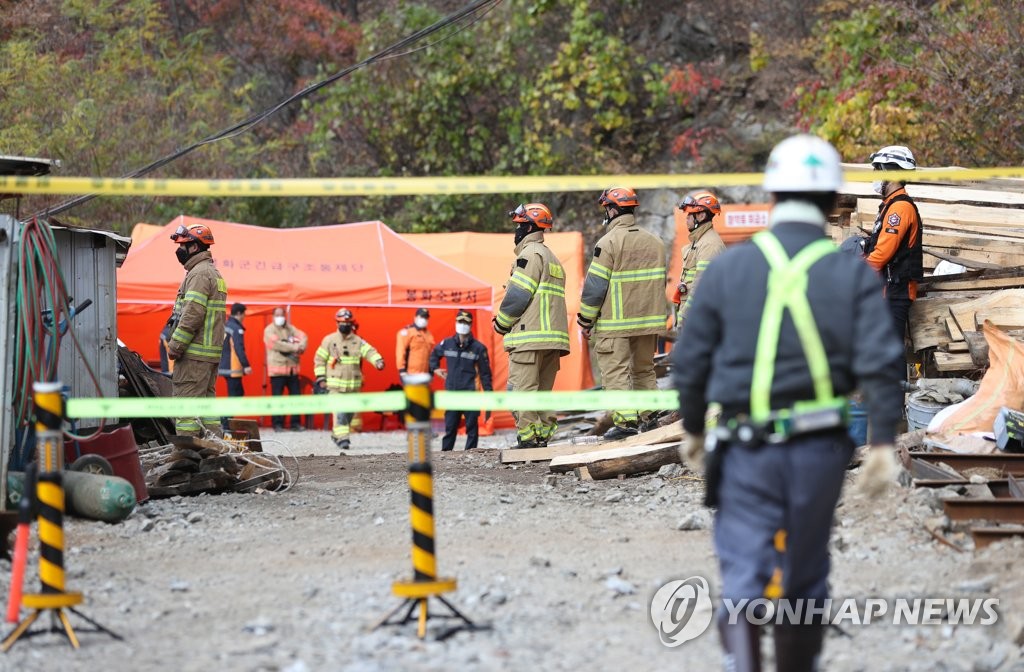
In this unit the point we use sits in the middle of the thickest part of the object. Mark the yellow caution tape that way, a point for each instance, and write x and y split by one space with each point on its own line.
163 407
412 186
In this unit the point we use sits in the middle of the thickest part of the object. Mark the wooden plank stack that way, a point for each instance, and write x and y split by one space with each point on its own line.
980 227
191 466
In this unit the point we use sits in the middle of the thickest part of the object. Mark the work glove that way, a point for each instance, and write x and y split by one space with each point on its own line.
320 383
691 452
586 326
380 364
498 328
878 471
246 371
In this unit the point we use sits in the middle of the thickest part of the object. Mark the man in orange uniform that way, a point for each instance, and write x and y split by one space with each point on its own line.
414 345
894 247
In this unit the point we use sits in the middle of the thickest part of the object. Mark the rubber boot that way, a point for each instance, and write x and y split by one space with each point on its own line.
741 642
798 647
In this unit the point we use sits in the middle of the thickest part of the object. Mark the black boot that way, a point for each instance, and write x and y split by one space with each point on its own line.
798 647
742 644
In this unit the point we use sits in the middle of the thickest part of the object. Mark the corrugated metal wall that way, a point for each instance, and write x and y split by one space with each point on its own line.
88 260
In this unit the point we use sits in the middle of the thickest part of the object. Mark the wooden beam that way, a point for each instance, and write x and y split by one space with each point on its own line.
651 460
570 462
673 432
946 362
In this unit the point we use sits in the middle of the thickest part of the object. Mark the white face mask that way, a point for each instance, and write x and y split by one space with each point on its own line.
279 320
461 328
878 186
420 322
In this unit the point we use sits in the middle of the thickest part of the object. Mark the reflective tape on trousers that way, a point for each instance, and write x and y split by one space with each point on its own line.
370 401
412 186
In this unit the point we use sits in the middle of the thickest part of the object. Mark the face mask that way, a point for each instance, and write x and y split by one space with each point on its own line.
522 231
279 320
878 186
461 328
182 254
345 329
420 322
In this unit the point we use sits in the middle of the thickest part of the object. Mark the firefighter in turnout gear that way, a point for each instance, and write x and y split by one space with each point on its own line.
465 360
780 330
701 208
199 314
414 345
533 320
623 305
895 245
337 366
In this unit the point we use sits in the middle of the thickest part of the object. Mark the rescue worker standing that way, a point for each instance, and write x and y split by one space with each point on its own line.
234 363
533 321
465 360
623 305
779 452
198 336
285 344
414 345
701 208
337 366
895 245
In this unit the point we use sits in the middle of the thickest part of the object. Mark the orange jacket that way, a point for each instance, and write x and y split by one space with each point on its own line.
413 348
901 221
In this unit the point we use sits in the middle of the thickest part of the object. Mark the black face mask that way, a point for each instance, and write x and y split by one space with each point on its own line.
344 329
523 230
182 254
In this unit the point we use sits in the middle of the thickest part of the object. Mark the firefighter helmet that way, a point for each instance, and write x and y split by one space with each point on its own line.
533 213
199 233
620 197
344 316
893 157
803 164
696 202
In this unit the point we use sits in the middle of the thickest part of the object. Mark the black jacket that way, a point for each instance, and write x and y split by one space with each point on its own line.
464 362
713 359
234 344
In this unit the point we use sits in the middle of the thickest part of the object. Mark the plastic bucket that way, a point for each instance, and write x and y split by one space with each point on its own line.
117 445
858 427
921 411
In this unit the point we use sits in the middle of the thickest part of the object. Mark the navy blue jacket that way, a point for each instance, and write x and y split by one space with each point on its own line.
234 349
464 361
713 359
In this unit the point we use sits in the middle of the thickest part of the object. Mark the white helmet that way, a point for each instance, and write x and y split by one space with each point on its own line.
803 163
893 156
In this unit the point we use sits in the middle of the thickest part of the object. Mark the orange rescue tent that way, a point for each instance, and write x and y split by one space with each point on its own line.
312 271
489 256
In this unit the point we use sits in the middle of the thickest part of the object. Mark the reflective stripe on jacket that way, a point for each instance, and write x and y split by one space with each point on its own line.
624 291
705 245
895 246
284 346
534 305
464 360
233 360
200 307
339 359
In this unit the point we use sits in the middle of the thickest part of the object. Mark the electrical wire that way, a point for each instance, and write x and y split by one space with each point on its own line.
474 11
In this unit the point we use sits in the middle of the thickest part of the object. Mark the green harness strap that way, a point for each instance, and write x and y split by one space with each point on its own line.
787 288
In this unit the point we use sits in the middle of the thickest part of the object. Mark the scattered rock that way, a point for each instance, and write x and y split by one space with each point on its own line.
696 520
670 471
538 561
978 478
260 626
582 490
619 586
179 586
551 480
616 496
147 525
193 517
980 585
494 598
505 499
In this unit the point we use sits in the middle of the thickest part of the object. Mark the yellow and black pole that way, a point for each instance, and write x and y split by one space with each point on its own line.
49 411
425 582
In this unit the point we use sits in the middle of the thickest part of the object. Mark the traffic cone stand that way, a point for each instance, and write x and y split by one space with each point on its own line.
425 582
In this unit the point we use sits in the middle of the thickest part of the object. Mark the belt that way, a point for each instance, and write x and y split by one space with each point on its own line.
784 424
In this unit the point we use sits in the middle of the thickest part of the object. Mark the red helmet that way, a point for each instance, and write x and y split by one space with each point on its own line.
534 213
620 197
344 316
199 233
698 201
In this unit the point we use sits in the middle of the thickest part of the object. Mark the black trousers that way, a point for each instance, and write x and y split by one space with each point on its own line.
278 384
451 429
235 388
899 309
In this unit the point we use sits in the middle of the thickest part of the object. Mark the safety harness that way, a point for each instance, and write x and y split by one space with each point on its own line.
787 290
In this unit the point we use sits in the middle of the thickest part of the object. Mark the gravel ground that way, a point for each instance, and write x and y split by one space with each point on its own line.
563 572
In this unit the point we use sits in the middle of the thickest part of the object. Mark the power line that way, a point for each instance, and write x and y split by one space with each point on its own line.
392 51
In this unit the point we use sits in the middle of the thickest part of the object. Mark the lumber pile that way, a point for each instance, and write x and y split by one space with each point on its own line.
192 466
981 228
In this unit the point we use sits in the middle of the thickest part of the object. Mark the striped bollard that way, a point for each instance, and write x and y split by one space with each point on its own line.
425 582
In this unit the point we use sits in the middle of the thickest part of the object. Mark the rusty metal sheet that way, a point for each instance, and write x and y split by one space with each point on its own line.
997 510
983 536
1010 464
999 486
1015 487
